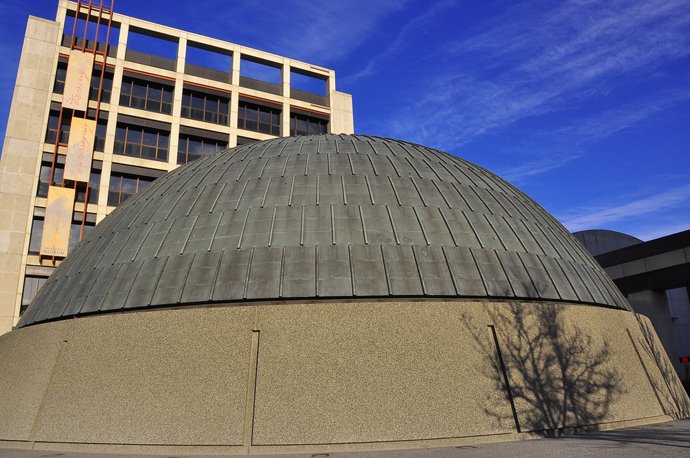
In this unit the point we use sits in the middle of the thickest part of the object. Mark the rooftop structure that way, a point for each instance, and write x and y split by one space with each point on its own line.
105 103
327 293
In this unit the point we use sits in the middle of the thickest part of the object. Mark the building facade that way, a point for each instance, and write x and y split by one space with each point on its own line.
654 276
104 103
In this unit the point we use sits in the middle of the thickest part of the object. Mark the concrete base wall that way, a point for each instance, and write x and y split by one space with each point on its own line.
330 376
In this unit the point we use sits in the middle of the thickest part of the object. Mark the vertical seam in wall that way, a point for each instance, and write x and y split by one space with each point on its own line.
644 367
250 404
661 371
49 385
504 373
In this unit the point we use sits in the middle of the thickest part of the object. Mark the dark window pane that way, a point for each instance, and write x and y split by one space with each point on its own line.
99 143
32 285
36 234
134 135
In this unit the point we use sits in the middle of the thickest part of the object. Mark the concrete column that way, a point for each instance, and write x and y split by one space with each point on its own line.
330 87
21 159
234 96
174 140
285 114
112 122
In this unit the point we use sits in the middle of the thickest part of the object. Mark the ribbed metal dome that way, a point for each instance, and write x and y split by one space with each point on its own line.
323 217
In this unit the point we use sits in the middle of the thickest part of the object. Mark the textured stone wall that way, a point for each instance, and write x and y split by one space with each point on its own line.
330 376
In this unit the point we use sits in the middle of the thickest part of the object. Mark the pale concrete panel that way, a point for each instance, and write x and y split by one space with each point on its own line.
169 377
571 365
21 148
342 119
6 321
663 260
369 372
27 358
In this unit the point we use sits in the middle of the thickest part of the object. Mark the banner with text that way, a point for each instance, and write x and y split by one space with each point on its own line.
57 222
80 149
78 80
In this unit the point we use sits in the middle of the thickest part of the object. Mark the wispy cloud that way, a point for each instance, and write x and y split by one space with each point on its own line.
538 166
319 31
565 144
609 213
398 44
532 61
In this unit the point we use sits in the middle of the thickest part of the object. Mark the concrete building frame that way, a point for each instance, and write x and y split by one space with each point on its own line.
46 48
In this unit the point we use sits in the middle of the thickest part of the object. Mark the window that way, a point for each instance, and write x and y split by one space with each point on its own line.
258 118
123 186
51 133
44 178
101 127
44 182
307 125
74 233
75 230
94 182
205 107
32 284
107 85
146 95
192 148
60 77
36 234
143 142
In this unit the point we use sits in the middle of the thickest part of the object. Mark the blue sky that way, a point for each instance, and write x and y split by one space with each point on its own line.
585 105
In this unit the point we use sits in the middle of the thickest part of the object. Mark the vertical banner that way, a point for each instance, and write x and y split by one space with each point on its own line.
58 219
78 80
80 149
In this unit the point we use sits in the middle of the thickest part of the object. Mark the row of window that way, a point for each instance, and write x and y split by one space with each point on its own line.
258 118
205 107
107 84
122 185
52 130
44 182
141 142
146 95
153 144
192 148
74 232
213 108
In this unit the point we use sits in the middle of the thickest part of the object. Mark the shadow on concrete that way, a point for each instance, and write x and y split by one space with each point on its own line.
554 376
668 388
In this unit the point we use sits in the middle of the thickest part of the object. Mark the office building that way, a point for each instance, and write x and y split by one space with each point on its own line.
105 103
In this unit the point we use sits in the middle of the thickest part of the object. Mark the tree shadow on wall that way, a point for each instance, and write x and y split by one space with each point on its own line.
659 370
553 376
